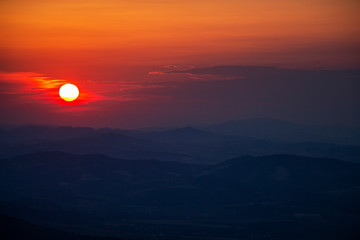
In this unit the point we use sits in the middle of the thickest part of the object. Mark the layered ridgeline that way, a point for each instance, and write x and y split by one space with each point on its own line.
205 145
269 197
286 131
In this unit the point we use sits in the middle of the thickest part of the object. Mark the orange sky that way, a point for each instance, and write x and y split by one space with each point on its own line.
310 33
150 62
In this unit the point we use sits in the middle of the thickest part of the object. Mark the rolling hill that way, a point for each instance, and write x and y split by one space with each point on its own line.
99 195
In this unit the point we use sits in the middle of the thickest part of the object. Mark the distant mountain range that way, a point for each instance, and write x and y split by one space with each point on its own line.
206 145
286 131
149 199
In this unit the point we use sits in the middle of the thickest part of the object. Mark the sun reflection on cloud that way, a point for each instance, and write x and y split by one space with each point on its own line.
29 86
32 87
35 87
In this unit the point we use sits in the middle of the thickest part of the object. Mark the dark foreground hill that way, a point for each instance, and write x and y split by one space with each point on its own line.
16 229
270 197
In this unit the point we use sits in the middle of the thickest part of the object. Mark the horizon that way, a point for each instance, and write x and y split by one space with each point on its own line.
162 127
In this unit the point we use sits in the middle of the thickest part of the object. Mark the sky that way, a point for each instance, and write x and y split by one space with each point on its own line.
144 63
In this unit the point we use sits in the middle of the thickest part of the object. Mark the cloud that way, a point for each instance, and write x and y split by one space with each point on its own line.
156 73
179 73
18 89
29 86
175 67
265 72
171 68
36 87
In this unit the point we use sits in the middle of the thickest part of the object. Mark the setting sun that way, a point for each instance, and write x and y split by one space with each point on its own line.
69 92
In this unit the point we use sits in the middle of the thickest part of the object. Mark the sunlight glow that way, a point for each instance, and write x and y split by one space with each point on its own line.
69 92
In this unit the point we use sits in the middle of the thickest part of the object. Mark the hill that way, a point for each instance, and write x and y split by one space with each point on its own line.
241 198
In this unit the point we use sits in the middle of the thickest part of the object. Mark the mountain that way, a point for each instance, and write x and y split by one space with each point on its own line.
210 147
183 136
40 133
287 171
36 133
110 143
241 198
285 131
15 229
190 136
182 144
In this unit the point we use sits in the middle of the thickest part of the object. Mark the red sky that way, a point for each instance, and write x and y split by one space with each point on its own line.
122 55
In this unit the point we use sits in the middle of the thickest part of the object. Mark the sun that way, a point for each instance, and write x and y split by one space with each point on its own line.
69 92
